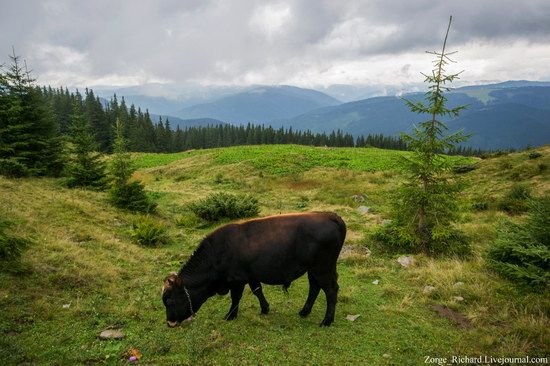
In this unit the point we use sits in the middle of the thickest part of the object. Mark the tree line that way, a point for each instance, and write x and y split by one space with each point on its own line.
144 135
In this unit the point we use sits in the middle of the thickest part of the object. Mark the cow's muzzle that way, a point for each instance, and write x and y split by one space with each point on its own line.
175 324
171 324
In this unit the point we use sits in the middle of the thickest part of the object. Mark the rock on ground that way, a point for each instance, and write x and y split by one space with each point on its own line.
405 261
429 289
111 334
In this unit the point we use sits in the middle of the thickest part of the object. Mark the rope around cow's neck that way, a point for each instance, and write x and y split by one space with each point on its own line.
189 299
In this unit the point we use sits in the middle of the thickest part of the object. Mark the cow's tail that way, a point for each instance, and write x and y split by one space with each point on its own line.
341 226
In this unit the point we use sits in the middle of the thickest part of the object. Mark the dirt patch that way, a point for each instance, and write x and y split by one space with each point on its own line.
303 185
453 315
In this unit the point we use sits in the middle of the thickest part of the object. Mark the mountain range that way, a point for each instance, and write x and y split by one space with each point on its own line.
261 105
512 114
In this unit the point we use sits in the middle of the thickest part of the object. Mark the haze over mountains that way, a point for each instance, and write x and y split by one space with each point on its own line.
512 114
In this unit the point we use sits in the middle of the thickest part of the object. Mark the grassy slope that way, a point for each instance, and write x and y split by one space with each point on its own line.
83 256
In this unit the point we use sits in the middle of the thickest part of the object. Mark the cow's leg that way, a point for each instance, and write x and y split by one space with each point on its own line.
311 297
236 294
256 288
329 284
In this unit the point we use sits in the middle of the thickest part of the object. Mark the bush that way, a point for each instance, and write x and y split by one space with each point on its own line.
131 196
148 232
461 169
522 252
515 201
391 238
534 155
11 247
480 204
12 168
224 205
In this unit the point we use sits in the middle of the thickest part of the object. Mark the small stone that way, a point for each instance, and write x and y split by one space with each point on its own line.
111 334
375 282
386 222
352 318
363 210
405 261
458 284
66 306
386 355
458 298
358 198
429 289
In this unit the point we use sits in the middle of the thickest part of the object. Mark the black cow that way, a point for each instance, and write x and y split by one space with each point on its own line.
273 250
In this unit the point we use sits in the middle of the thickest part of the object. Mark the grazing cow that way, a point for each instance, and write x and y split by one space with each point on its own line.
274 250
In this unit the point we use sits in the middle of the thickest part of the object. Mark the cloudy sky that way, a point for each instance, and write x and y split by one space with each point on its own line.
309 43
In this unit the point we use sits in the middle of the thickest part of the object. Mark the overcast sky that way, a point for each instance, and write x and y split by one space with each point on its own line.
309 43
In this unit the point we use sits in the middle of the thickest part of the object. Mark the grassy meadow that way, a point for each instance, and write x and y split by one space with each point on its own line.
83 274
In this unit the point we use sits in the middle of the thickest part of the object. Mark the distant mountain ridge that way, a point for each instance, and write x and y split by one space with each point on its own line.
260 105
498 116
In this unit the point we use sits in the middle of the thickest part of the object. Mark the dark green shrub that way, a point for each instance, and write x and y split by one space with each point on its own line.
461 169
480 204
522 252
12 168
11 247
219 179
391 238
224 205
515 201
303 203
534 155
148 232
131 196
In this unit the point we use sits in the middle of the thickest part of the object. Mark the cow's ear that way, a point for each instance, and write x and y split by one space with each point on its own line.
172 280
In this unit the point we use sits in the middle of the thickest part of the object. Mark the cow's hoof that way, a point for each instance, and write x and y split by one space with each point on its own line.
265 311
325 323
303 313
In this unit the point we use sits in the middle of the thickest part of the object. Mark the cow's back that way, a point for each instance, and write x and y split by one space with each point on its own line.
279 249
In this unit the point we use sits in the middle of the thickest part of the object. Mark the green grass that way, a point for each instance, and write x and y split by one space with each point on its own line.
83 255
289 159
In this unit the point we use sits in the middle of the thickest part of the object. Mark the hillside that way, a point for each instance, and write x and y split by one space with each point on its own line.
84 274
260 104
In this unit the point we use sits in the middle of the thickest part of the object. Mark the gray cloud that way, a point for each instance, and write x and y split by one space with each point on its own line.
305 42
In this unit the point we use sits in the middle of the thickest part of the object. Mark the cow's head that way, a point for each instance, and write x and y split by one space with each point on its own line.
177 300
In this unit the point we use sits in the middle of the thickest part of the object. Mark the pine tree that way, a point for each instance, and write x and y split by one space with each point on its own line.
85 168
29 136
427 204
125 193
98 122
